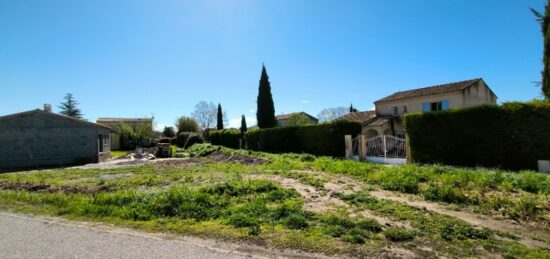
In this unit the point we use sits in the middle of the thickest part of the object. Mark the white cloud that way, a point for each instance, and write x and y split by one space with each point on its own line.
372 108
252 110
305 101
236 122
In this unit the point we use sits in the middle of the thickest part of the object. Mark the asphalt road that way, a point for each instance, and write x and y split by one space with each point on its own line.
25 237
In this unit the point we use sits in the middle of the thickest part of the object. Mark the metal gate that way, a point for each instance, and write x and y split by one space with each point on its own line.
386 146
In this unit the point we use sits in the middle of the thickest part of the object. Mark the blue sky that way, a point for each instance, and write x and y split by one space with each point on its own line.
143 58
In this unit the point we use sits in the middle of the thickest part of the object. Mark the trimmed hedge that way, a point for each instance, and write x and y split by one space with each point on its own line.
187 139
227 137
325 139
511 136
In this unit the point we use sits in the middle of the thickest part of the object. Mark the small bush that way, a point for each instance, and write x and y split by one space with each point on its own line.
295 221
453 230
398 234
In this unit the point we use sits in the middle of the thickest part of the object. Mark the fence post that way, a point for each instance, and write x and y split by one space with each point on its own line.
349 147
385 150
362 148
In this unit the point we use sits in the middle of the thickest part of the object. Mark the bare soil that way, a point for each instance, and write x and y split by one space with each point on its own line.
219 156
176 162
528 235
43 187
318 201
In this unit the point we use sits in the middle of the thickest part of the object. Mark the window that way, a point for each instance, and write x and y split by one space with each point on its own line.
404 108
395 111
435 106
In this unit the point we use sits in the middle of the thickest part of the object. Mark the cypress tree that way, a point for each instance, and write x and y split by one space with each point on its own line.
220 117
265 113
544 21
244 128
352 109
69 107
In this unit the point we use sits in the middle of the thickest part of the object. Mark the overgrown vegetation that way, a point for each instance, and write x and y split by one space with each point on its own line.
221 200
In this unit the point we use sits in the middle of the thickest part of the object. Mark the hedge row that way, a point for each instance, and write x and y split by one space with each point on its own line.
187 139
510 136
325 139
228 137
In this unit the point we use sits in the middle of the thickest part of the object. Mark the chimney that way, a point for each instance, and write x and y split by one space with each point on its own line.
47 107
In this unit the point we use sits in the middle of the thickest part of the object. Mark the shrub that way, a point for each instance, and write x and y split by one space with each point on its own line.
455 230
295 221
230 138
321 139
165 140
398 234
511 136
187 139
187 124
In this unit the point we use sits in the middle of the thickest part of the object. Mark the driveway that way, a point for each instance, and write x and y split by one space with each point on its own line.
26 237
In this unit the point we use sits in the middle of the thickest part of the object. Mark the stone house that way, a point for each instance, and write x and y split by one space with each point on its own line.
282 119
387 118
117 142
40 138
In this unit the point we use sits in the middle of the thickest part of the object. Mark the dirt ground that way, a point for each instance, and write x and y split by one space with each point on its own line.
324 200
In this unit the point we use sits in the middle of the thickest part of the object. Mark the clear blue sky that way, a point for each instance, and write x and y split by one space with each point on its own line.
143 58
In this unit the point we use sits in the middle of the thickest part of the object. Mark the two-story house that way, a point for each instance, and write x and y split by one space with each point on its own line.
391 109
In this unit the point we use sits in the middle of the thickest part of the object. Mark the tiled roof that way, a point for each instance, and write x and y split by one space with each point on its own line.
379 121
56 115
360 117
286 116
437 89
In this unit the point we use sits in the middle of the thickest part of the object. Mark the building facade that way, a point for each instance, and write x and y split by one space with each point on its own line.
41 138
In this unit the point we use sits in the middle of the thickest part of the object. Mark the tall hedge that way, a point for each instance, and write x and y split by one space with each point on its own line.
325 139
228 137
511 136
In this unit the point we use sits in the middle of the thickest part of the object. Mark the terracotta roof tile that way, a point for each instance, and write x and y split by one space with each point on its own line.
437 89
360 117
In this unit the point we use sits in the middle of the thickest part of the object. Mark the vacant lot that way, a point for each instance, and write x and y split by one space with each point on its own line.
301 202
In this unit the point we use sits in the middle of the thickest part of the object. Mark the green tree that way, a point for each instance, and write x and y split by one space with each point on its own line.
352 109
265 113
244 128
220 117
298 119
168 132
69 107
544 20
187 124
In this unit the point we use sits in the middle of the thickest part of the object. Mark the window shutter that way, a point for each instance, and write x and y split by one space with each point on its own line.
445 105
426 107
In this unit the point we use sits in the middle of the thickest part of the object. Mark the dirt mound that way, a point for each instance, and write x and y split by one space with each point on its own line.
44 187
176 162
219 156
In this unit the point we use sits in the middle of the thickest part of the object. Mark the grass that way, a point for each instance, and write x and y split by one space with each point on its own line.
119 153
218 200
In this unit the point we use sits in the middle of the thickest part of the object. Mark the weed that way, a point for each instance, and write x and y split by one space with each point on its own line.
398 234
